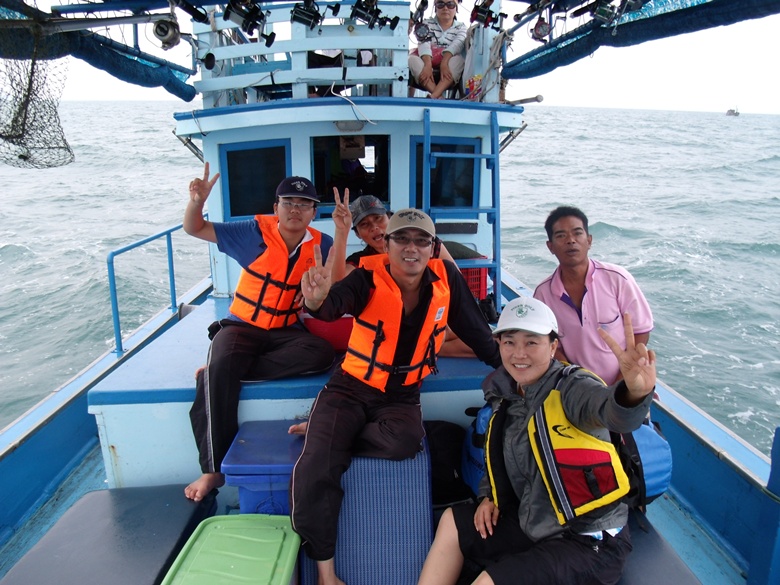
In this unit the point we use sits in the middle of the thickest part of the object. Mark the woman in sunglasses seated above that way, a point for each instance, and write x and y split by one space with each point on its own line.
442 39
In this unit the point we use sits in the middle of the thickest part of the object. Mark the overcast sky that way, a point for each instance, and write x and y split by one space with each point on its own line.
711 70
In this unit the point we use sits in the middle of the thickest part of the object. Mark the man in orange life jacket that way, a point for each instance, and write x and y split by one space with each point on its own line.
402 302
261 339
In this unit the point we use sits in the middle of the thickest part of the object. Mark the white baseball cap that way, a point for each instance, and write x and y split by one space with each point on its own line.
527 314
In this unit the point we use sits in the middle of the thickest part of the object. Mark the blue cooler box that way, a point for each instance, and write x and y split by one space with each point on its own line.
260 463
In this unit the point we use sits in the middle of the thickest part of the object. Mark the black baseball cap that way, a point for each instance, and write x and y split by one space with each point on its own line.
297 187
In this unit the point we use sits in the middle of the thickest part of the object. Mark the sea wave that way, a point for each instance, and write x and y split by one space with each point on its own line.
683 200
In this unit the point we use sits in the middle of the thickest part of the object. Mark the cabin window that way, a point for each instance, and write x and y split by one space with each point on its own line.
454 181
359 163
253 171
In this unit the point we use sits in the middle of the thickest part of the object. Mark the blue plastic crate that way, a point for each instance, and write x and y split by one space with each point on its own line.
260 462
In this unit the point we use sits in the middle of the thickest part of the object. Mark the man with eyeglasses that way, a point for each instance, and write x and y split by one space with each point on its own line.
402 302
439 51
261 338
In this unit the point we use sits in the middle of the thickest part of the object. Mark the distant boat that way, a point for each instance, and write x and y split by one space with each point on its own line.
734 112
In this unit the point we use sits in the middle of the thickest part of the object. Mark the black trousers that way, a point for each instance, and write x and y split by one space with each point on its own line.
348 418
240 351
511 558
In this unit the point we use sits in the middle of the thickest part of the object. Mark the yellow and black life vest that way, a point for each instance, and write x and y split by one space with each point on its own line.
581 472
375 334
265 294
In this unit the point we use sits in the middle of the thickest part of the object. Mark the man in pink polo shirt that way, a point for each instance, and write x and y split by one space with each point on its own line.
587 295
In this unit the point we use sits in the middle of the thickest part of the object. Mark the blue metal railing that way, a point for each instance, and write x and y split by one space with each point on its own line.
112 278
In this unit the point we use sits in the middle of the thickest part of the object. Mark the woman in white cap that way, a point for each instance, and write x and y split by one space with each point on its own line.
547 417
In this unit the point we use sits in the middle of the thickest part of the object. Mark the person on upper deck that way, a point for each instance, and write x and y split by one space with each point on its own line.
402 302
441 52
538 522
261 338
587 295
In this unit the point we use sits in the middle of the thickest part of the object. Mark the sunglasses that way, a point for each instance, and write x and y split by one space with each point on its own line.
449 5
420 242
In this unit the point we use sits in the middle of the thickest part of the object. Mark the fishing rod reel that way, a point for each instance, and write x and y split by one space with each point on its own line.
541 30
421 30
601 11
482 14
367 11
250 17
166 29
308 13
167 32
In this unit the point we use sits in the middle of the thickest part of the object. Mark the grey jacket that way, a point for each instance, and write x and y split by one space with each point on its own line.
591 407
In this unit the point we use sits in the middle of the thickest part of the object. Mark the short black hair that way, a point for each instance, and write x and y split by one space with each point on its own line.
564 211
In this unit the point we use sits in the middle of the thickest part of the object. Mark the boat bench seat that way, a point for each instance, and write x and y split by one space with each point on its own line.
653 560
149 378
124 536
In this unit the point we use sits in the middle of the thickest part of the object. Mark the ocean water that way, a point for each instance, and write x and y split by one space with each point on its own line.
688 202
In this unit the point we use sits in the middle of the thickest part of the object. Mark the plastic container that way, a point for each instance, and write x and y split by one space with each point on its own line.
246 548
259 463
477 281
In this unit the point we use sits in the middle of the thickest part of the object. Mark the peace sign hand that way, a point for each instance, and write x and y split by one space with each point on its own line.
315 283
637 363
200 188
342 216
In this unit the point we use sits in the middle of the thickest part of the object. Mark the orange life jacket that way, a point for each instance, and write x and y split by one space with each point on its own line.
265 294
376 330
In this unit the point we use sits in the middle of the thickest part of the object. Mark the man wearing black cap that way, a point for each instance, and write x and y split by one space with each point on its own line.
261 339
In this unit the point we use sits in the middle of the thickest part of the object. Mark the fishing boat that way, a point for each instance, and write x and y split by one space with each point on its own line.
87 473
732 112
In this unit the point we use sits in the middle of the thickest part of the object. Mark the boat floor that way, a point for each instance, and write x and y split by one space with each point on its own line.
704 557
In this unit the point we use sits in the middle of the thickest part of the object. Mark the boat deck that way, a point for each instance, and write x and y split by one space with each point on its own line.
147 399
143 406
153 401
164 370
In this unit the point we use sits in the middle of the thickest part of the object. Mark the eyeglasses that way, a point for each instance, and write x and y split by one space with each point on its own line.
404 241
300 206
449 5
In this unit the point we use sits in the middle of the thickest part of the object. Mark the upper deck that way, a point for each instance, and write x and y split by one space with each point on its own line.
254 52
264 68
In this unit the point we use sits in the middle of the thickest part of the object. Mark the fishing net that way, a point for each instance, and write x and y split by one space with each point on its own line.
31 135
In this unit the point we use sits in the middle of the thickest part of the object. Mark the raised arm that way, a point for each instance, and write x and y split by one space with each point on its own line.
194 224
342 220
316 281
637 363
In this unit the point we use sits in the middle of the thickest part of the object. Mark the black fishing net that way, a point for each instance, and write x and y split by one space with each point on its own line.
30 132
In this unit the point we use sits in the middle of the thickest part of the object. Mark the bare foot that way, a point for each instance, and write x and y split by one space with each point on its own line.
298 429
326 573
202 486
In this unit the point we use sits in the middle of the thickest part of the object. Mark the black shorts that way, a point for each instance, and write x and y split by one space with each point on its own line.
510 557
